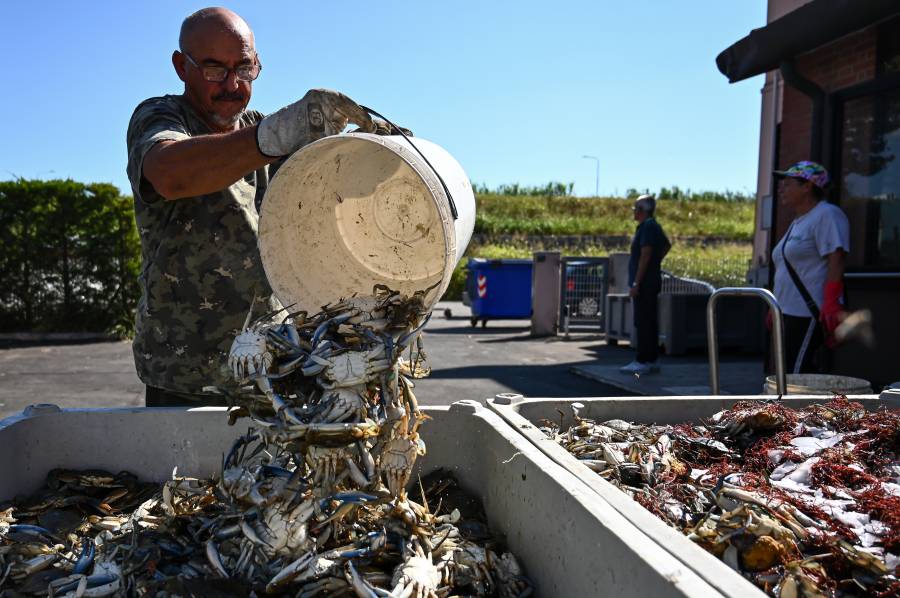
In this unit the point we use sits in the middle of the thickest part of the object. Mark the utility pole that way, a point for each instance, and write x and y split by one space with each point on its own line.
597 179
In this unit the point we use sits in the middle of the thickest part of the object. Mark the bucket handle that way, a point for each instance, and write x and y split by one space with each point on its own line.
433 169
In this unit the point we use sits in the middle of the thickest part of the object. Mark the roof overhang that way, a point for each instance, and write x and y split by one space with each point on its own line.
812 25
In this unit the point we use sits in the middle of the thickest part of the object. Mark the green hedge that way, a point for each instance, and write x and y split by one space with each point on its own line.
70 259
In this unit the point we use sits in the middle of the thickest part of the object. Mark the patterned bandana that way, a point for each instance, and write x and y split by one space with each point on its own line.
809 171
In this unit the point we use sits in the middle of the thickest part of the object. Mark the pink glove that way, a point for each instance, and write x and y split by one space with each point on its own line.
832 310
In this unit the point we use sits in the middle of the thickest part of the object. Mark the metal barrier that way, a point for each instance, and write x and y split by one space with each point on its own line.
583 287
679 285
618 317
713 341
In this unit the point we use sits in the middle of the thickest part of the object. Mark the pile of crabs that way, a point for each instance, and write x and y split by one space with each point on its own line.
312 501
803 502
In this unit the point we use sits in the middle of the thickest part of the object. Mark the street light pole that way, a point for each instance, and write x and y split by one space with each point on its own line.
597 179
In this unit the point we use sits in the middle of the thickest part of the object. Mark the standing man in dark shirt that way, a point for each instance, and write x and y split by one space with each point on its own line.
649 247
198 166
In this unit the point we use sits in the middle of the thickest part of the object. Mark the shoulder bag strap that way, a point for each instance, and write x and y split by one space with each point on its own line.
807 298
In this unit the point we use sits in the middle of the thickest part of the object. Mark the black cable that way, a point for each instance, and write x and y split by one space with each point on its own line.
400 131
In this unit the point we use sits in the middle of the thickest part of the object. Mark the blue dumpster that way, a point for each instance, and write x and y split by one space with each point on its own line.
499 289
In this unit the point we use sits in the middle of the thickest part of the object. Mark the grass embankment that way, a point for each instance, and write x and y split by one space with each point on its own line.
503 214
723 262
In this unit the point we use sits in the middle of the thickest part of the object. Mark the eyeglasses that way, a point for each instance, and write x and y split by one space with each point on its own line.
217 74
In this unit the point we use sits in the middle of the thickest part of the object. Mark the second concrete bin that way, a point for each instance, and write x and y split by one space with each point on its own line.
570 542
525 414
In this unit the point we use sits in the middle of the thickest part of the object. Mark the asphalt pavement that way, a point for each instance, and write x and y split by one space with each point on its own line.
467 363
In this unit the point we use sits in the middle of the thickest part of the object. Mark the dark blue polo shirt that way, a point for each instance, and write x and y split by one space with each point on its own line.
648 233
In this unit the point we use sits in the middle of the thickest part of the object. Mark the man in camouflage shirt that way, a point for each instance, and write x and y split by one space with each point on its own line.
199 165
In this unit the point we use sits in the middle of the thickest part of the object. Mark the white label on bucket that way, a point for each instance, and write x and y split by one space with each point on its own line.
482 286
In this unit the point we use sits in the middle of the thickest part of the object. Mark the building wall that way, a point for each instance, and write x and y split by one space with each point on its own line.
770 117
779 8
843 63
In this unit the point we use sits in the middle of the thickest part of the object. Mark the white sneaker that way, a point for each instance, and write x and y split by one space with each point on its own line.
631 367
644 369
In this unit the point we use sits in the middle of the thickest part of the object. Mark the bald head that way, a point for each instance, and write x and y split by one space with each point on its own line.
214 41
645 203
213 21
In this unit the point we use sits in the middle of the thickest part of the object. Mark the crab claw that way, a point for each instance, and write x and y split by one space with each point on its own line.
249 356
397 460
342 404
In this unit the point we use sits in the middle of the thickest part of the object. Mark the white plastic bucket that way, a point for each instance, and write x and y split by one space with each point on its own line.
819 384
351 211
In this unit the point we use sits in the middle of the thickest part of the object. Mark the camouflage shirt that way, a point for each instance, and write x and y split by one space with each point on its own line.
201 268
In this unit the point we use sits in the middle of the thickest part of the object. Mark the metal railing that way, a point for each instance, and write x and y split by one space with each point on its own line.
720 271
713 341
682 285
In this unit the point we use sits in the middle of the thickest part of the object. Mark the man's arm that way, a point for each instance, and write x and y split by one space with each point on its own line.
643 264
202 164
667 245
208 163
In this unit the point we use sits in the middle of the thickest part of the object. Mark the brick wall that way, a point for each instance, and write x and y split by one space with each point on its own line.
846 62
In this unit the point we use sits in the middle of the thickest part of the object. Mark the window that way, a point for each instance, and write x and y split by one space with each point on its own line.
870 178
869 157
889 47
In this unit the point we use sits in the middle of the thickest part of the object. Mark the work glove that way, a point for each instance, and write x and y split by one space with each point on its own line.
832 311
320 113
383 128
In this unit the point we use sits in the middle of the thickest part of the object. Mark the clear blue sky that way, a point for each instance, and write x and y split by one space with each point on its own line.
517 91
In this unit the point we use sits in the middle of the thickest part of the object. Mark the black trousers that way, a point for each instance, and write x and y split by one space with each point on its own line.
804 347
646 321
159 397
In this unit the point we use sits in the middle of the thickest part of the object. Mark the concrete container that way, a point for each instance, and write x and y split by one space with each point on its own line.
618 273
545 293
525 414
570 541
619 321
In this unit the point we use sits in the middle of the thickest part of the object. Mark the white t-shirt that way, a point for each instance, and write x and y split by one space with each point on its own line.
810 238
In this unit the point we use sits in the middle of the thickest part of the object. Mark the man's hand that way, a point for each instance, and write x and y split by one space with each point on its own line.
320 113
633 291
383 128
